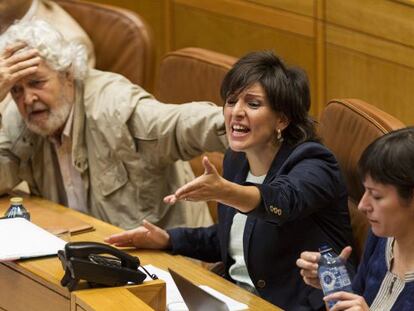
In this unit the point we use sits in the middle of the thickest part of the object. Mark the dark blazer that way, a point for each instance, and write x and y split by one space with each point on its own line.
304 204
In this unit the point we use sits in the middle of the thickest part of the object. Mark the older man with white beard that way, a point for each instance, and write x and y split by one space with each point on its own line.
97 143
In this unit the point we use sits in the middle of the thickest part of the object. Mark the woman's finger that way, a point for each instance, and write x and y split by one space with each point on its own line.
126 237
310 256
121 240
156 237
309 273
341 296
346 252
126 244
347 305
170 199
195 196
209 167
185 190
149 226
312 282
307 265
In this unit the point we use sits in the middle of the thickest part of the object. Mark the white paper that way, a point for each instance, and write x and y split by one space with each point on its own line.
20 239
175 301
173 294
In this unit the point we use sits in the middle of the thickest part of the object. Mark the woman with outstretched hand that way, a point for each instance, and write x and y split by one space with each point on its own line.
281 191
385 277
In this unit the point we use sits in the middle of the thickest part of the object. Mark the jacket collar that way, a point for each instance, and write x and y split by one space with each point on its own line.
278 161
79 152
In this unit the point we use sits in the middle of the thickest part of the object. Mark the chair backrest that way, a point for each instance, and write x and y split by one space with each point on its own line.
192 74
122 40
347 127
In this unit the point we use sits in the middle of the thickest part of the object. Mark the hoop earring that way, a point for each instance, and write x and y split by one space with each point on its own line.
279 137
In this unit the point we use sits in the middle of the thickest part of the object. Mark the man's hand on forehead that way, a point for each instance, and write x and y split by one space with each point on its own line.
16 62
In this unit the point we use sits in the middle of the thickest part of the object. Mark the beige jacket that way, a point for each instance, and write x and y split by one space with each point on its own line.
127 147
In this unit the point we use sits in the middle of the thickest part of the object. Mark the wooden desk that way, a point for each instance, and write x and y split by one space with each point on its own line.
35 284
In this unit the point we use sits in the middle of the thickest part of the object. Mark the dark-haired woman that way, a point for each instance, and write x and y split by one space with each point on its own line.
385 278
281 190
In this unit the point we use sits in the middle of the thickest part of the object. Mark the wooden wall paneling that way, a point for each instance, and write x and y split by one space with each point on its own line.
303 7
248 11
236 27
384 84
374 69
155 13
320 57
370 41
390 20
371 46
168 27
236 33
405 2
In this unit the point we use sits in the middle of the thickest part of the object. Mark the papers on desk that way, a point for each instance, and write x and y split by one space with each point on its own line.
174 300
20 239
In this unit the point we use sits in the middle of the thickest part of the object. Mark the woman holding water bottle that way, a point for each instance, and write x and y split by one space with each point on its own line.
281 189
385 277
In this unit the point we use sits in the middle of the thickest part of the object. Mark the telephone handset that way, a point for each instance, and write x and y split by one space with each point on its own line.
83 260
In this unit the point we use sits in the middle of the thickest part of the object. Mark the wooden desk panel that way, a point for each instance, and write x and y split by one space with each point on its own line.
19 292
38 280
121 298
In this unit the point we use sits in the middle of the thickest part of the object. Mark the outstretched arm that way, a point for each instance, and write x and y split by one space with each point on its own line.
200 243
212 187
176 132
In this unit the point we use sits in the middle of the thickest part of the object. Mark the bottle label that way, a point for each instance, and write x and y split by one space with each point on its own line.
334 279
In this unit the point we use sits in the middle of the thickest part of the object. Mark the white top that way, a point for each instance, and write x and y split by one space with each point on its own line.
238 271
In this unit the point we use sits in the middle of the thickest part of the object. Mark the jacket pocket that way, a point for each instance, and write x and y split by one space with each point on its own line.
112 178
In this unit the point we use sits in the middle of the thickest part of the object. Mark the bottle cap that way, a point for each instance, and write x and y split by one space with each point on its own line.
324 248
16 200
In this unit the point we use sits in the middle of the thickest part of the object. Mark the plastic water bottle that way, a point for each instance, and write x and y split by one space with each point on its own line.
332 273
17 209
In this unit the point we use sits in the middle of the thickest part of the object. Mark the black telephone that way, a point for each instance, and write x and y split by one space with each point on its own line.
83 260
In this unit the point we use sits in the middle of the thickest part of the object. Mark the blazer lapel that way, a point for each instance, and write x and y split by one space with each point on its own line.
278 161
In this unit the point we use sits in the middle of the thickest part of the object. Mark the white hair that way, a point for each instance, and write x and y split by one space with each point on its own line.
59 54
